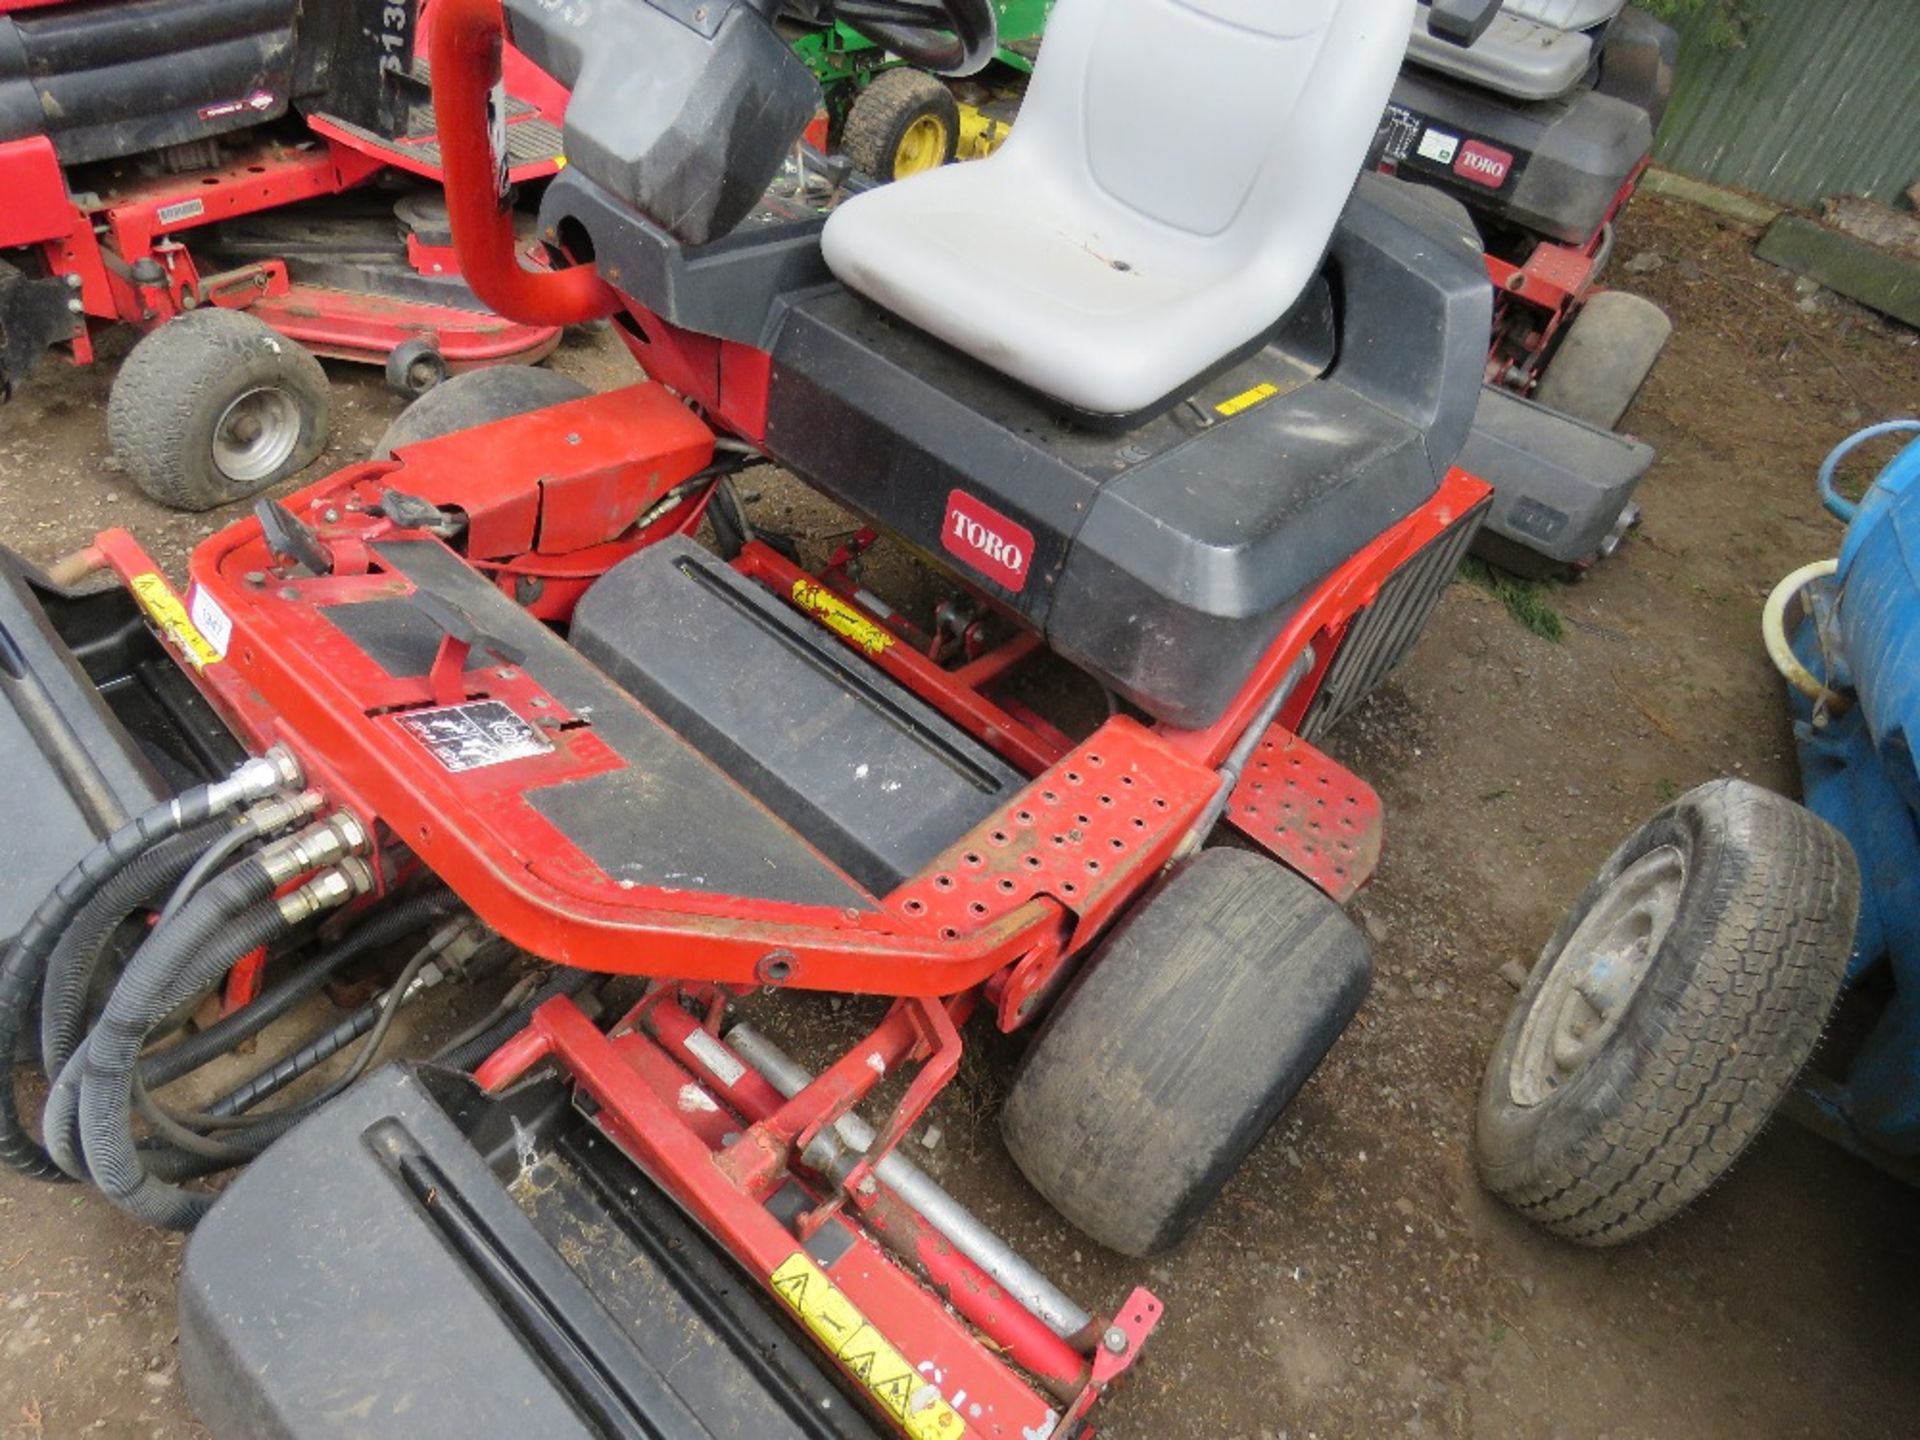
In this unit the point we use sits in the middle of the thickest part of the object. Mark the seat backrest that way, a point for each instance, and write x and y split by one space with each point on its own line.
1227 128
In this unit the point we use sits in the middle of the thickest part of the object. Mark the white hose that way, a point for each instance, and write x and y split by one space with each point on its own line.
1773 629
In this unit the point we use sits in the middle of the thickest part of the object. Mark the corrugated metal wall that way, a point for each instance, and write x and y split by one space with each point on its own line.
1824 100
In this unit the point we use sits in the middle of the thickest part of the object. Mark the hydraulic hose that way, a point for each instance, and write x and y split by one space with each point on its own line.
25 965
376 1016
62 1131
464 1057
395 923
234 914
171 1157
72 965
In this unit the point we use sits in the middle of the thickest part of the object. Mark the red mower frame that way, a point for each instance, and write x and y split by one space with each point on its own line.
994 924
1538 297
127 255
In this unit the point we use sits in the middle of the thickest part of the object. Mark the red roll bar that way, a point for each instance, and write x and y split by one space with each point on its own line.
468 39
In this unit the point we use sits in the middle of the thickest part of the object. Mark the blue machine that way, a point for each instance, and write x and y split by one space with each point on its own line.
1846 634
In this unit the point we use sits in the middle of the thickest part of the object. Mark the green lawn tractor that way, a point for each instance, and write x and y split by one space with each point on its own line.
893 120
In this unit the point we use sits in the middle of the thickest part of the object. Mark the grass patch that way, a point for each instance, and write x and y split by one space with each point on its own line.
1526 600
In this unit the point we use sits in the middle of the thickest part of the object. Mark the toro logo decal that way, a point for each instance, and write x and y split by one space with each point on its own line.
1483 164
997 547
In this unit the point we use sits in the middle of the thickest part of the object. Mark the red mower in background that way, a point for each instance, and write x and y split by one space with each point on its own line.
229 175
1541 123
1183 436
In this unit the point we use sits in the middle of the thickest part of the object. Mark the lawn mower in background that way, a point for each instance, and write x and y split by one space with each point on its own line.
229 176
1179 439
891 119
1669 1018
1542 125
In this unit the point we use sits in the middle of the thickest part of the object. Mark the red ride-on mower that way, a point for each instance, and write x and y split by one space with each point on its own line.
229 175
1189 429
1539 116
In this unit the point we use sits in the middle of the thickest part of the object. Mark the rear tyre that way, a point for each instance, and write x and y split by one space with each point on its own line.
1193 1026
478 397
1607 354
904 122
215 406
1669 1014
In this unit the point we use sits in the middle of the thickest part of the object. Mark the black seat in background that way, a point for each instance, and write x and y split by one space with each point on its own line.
108 81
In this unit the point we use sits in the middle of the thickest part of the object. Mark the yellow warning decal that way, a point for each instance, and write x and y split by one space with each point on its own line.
1247 399
163 607
840 617
905 1394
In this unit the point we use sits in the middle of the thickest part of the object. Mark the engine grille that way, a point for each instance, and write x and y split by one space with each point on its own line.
1381 635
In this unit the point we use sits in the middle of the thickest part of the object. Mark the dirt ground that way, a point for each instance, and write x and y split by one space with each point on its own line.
1355 1281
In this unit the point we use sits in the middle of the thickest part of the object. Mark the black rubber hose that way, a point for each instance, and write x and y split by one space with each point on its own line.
72 965
377 1014
26 963
208 865
233 915
395 923
568 982
61 1122
62 1130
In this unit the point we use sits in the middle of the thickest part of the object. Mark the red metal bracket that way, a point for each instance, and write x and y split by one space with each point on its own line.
1309 812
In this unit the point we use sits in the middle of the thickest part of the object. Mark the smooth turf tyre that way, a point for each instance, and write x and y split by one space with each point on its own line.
215 406
478 397
904 122
1609 350
1669 1014
1193 1026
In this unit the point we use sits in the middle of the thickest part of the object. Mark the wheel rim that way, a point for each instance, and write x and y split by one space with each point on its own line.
923 147
1592 981
257 433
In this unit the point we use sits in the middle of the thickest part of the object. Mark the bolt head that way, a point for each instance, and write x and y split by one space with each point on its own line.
1115 1340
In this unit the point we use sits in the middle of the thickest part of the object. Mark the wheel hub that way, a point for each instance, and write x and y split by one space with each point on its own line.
923 147
1592 981
257 432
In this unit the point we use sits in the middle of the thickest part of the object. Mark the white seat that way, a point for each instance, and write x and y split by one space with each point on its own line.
1533 50
1170 187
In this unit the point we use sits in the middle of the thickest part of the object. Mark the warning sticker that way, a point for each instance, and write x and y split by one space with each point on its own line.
1438 146
1247 399
211 620
180 210
475 735
163 607
909 1397
840 617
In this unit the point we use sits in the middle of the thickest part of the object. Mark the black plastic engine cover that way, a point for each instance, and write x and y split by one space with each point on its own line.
1553 167
685 111
878 781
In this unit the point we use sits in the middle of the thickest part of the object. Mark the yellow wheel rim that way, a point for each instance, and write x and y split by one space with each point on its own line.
922 148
